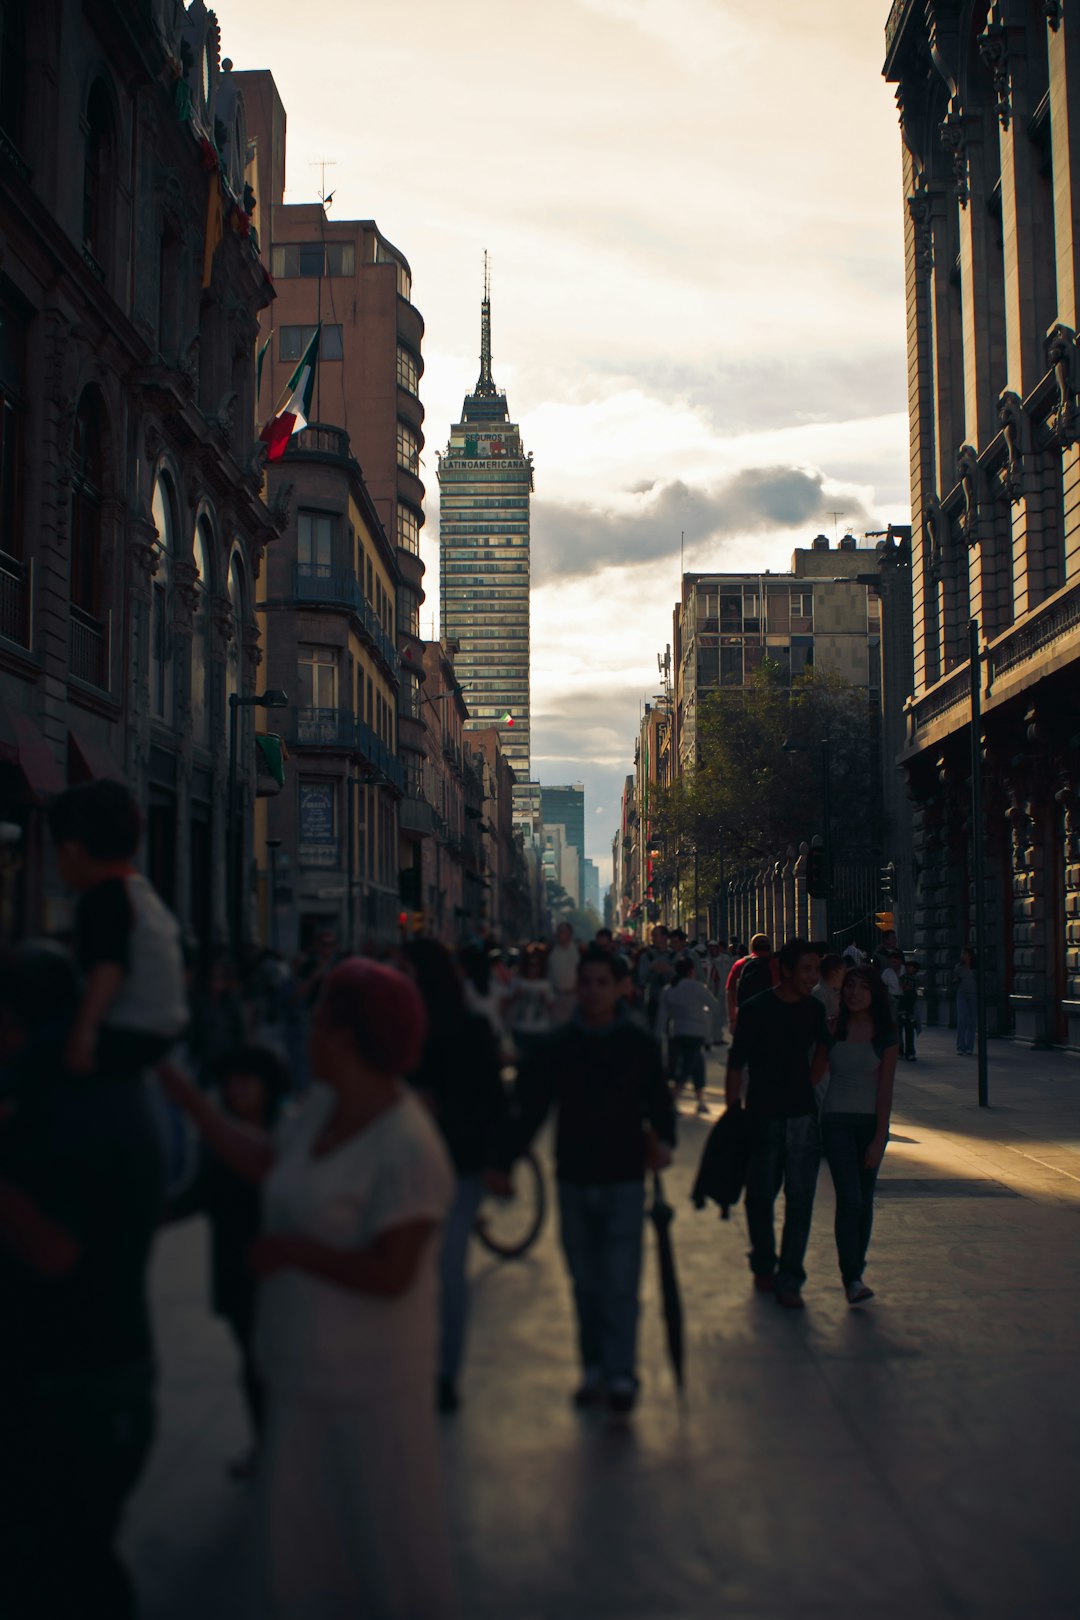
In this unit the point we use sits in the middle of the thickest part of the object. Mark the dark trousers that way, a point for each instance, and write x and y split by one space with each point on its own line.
70 1456
783 1153
688 1060
602 1237
908 1031
845 1139
242 1323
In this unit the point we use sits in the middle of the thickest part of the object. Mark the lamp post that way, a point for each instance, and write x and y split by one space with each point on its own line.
977 871
272 699
790 747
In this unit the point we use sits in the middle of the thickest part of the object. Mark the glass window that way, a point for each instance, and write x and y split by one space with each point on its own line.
802 604
161 664
295 339
408 371
86 510
315 541
408 449
97 166
200 705
318 672
383 255
312 259
802 654
408 530
731 666
238 606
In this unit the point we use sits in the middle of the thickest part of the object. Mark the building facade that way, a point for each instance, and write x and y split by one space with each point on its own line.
485 485
132 524
566 806
329 604
989 99
449 898
345 276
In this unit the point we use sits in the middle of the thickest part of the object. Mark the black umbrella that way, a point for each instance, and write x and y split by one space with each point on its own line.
662 1216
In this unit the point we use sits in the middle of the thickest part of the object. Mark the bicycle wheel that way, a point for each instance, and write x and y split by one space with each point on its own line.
508 1227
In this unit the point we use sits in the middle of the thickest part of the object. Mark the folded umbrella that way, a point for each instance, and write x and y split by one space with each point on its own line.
662 1216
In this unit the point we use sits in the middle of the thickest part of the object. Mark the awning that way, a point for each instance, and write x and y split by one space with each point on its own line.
23 744
95 758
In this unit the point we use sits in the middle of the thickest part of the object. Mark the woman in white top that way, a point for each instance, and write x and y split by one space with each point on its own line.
530 1004
356 1183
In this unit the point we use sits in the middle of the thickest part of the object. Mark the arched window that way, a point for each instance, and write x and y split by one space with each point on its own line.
161 636
97 167
200 635
234 665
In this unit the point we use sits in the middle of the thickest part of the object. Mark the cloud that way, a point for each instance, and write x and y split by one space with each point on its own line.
571 540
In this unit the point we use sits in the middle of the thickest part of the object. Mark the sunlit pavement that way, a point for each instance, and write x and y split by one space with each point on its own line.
918 1457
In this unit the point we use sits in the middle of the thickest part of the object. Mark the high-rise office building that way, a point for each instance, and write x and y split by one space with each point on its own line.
566 805
485 481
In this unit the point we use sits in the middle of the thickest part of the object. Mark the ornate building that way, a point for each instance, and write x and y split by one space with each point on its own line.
989 99
131 520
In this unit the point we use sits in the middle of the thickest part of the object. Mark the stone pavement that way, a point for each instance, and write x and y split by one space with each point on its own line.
917 1457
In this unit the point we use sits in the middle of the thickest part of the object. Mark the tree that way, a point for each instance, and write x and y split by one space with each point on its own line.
582 919
763 795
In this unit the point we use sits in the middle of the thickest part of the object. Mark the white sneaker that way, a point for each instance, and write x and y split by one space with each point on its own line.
857 1291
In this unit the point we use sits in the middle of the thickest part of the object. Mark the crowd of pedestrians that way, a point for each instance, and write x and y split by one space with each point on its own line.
339 1121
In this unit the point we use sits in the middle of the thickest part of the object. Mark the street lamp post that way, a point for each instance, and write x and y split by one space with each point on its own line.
272 699
977 860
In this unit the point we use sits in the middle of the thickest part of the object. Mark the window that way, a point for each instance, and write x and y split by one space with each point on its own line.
731 666
408 530
802 604
408 449
295 339
315 541
383 255
97 166
408 371
200 706
238 605
318 671
312 259
161 665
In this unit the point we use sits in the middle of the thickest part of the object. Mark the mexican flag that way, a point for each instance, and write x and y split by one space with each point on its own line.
293 417
507 719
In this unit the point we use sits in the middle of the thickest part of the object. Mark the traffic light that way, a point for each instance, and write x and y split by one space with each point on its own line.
816 875
885 922
888 874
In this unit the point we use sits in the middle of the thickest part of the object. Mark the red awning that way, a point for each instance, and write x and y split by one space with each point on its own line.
95 758
22 744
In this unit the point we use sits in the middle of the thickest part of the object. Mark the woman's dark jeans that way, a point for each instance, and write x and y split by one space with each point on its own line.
844 1140
688 1060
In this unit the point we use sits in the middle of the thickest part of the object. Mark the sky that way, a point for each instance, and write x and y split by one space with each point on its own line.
694 215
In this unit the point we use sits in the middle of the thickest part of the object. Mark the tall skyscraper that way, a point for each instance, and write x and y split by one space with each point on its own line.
485 481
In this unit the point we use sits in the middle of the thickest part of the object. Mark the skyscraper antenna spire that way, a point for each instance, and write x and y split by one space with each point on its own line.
485 385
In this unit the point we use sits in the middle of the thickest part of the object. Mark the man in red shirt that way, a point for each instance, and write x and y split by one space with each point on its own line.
764 975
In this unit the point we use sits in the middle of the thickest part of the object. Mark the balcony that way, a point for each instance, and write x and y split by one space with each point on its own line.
15 585
340 730
415 815
89 651
320 439
319 583
1051 622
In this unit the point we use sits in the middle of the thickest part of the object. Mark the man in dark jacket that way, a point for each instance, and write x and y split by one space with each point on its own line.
615 1119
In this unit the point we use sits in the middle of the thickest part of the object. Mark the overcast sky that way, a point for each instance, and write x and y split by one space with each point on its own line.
694 213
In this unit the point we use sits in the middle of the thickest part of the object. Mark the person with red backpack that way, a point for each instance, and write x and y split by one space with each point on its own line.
751 975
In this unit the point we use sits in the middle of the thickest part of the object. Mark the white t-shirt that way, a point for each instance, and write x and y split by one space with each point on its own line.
563 964
314 1338
534 1006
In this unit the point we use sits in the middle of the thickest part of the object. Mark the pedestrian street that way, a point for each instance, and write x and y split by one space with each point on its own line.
916 1456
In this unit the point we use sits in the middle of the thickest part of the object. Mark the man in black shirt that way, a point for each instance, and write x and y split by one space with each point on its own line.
80 1197
615 1119
776 1038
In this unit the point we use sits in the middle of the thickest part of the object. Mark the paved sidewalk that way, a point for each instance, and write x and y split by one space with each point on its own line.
918 1457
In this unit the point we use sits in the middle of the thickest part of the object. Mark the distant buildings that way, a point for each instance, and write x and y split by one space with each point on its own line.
990 116
565 806
485 484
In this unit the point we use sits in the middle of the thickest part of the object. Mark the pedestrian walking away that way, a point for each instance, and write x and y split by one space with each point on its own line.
685 1018
963 978
750 975
861 1065
563 960
603 1075
777 1038
355 1184
458 1078
529 1010
908 1018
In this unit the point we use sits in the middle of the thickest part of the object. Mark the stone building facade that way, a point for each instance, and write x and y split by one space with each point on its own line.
989 98
132 525
329 601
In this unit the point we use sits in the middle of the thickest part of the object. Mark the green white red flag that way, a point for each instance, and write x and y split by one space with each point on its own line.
296 412
507 719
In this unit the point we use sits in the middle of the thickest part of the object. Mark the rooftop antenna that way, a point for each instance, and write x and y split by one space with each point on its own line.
325 197
836 516
486 384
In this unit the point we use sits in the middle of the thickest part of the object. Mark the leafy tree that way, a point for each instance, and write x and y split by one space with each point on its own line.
582 919
764 795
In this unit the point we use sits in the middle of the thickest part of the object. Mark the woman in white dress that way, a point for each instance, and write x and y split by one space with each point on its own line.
356 1182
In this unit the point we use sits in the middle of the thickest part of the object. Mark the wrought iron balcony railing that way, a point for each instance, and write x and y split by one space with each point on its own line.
320 583
89 651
